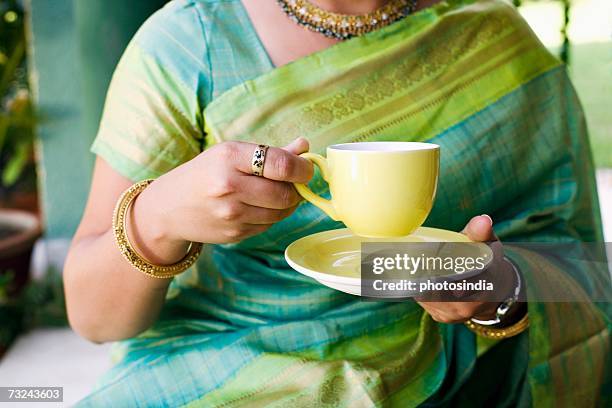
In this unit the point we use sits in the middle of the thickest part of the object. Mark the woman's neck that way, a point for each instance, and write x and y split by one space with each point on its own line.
349 6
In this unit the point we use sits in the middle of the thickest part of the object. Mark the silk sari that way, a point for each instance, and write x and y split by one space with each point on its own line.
241 328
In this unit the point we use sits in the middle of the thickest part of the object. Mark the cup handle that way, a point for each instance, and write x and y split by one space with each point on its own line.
306 192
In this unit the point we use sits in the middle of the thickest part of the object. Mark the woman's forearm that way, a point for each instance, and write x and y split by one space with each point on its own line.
107 298
210 199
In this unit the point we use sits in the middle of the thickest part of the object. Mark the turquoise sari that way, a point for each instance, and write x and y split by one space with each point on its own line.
241 328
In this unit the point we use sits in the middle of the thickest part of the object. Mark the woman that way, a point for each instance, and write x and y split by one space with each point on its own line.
203 82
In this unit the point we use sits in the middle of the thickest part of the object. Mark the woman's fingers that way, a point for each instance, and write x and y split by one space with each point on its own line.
265 216
298 146
235 213
243 231
480 229
459 312
251 221
261 192
280 164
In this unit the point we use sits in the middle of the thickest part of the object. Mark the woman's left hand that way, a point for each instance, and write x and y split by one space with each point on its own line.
500 273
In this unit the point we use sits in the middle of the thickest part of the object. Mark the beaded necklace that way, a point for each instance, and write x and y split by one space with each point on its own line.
345 26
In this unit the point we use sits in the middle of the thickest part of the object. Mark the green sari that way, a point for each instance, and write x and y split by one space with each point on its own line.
241 328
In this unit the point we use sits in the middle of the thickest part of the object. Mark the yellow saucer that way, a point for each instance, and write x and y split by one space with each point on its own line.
333 258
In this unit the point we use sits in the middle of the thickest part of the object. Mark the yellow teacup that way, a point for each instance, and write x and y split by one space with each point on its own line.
378 189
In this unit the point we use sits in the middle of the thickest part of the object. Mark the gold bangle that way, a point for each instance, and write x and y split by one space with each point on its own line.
130 254
499 333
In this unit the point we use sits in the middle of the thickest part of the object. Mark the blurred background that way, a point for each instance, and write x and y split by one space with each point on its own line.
56 60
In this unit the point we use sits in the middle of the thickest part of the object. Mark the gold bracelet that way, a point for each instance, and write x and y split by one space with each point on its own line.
130 254
501 332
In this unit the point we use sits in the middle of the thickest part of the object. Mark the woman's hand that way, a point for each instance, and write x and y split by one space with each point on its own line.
214 198
500 273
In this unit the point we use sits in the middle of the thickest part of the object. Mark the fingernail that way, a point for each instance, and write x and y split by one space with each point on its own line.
294 142
490 219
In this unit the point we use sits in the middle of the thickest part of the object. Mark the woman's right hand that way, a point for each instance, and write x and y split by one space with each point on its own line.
214 198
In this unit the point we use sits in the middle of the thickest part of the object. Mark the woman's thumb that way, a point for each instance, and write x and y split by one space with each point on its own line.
298 146
480 229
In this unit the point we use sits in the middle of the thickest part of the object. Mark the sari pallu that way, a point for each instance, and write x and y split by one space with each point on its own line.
243 329
475 80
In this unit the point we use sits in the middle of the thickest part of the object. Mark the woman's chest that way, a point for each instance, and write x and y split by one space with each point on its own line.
283 40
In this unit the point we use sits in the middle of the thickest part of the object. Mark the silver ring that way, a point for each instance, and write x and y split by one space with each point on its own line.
259 160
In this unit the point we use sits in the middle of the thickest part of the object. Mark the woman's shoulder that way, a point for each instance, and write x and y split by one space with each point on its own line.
169 53
174 40
178 22
183 24
496 18
187 9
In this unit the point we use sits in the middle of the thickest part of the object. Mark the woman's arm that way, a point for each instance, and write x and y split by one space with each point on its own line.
211 198
107 299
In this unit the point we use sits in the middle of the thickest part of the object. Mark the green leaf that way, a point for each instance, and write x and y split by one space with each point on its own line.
11 67
16 164
5 121
6 279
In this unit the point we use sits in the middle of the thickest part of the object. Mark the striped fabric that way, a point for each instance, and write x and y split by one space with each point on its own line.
241 328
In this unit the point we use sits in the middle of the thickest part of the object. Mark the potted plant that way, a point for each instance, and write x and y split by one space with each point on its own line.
19 229
10 313
41 303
